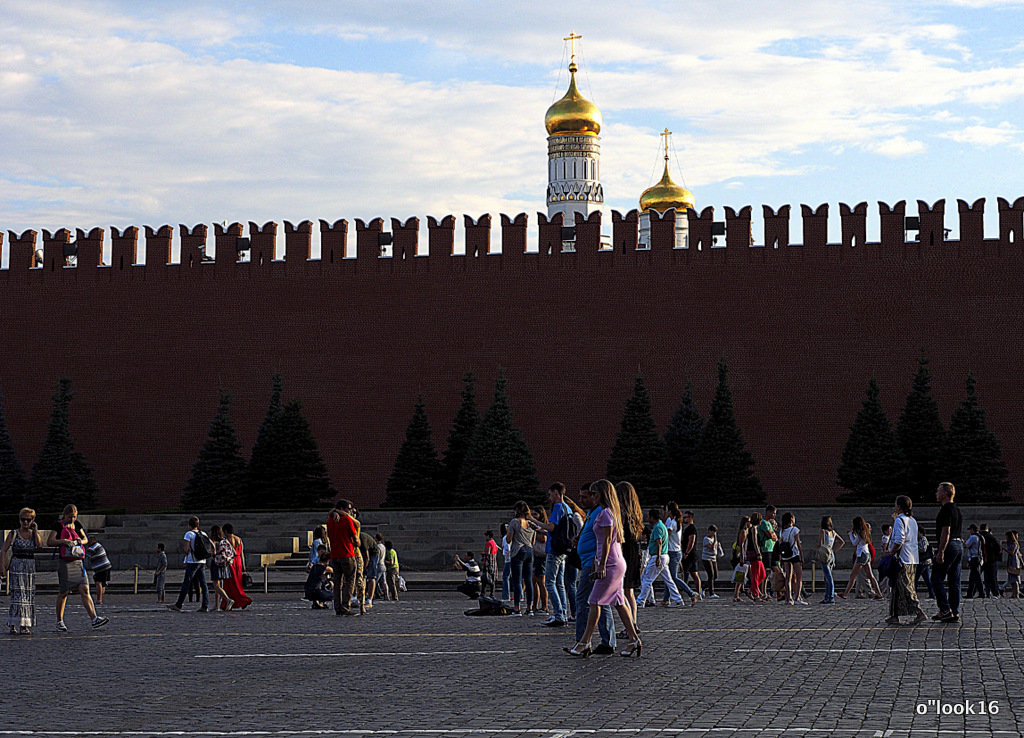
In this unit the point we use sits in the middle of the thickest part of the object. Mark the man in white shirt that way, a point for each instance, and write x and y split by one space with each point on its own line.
194 567
903 544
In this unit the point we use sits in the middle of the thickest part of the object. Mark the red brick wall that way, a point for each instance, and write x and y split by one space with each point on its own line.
802 327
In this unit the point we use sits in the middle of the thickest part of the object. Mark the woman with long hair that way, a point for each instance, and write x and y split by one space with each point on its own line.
540 590
234 586
520 537
23 544
674 524
860 538
739 574
220 567
632 529
792 558
827 545
609 571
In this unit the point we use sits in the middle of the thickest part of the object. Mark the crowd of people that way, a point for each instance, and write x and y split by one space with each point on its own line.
581 561
576 564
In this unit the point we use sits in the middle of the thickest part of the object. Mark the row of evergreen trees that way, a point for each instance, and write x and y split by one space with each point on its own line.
285 469
60 475
488 462
880 462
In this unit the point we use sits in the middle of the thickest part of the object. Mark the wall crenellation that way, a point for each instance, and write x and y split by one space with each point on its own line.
32 254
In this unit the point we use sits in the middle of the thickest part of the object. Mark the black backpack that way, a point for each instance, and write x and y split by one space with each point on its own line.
202 546
567 530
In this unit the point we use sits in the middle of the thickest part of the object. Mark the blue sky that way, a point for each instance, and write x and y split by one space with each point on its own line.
118 113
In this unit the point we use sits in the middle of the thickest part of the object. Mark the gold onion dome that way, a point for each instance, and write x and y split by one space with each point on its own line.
666 194
573 114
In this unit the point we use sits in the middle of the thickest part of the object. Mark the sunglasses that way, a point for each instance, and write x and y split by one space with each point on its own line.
27 520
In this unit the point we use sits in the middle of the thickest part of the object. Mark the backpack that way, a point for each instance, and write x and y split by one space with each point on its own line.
202 547
563 537
225 554
785 549
73 550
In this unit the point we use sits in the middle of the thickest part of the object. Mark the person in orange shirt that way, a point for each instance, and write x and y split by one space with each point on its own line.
343 533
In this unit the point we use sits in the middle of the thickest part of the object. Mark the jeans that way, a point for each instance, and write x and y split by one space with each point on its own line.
554 582
674 557
572 576
506 582
948 573
605 624
924 571
197 572
830 584
974 585
522 571
657 568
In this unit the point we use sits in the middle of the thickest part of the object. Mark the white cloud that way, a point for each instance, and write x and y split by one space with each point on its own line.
110 113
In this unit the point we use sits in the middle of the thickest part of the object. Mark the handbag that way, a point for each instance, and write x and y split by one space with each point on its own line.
889 566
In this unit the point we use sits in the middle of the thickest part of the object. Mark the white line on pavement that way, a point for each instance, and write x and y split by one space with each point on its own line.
343 653
923 649
539 732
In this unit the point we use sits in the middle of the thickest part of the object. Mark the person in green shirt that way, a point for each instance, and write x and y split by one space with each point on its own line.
657 564
391 567
767 537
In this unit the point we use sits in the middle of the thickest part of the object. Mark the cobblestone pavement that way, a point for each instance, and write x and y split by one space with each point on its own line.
420 668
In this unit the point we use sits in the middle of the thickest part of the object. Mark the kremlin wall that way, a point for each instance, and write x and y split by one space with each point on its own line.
802 323
359 332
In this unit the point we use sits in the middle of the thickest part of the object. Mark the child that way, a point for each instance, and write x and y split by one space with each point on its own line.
489 561
314 589
160 575
709 554
391 566
98 563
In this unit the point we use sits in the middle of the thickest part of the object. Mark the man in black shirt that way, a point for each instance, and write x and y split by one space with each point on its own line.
988 569
949 554
691 552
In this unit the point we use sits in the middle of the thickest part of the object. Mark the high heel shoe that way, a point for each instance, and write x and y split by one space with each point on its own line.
576 650
635 649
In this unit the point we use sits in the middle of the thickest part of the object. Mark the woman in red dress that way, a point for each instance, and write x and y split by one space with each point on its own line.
234 586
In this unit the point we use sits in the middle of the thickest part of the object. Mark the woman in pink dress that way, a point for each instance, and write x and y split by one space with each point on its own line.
608 572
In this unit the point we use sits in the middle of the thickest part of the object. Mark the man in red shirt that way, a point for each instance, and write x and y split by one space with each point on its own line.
343 532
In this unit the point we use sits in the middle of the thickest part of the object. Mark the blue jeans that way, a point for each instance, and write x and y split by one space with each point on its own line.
522 576
554 582
924 571
605 624
506 581
572 575
830 585
194 571
674 557
948 573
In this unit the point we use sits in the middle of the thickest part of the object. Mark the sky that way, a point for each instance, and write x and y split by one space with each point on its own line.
128 113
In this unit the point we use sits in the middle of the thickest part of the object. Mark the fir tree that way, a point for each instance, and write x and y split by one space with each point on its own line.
261 492
921 436
723 467
873 467
639 455
297 477
498 469
12 475
973 459
682 437
219 475
414 478
459 439
61 476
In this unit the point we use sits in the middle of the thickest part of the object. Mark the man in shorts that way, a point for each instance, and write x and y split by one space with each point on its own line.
70 538
691 553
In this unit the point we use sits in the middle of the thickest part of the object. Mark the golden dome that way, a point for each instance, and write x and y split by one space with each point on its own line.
666 194
573 114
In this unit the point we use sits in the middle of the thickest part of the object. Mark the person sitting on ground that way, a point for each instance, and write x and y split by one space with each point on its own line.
315 589
471 587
